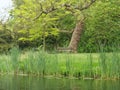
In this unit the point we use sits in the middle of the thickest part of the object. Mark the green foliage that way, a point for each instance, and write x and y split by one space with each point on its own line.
102 27
32 30
33 24
6 39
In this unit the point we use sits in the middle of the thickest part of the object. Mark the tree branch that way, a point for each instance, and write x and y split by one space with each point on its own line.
86 6
45 11
41 8
67 7
66 31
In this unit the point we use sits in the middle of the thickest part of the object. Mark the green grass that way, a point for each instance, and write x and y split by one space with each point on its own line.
84 65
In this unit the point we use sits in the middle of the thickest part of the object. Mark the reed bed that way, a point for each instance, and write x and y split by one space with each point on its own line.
85 65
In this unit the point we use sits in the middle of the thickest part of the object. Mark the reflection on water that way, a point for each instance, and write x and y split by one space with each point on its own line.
35 83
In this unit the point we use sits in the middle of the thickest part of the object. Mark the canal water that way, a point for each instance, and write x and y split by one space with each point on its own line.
37 83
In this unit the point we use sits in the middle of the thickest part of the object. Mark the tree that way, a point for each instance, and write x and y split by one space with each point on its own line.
47 13
102 27
72 7
26 28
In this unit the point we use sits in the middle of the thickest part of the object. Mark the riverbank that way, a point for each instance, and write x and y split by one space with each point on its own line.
82 66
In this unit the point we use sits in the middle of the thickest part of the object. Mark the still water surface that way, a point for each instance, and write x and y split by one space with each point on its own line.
35 83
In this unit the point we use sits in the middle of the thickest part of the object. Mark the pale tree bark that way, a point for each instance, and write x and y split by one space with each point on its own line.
74 42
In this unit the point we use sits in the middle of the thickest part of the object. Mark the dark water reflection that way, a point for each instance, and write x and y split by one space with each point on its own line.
35 83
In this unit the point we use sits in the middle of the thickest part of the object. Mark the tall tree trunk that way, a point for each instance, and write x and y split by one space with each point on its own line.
73 45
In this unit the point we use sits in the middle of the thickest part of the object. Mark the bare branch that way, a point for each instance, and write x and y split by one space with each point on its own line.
66 31
67 7
45 11
86 6
41 8
80 8
37 16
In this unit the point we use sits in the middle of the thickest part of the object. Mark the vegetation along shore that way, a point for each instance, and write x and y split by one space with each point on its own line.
83 65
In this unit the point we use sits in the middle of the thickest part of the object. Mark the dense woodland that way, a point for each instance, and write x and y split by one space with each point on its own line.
50 24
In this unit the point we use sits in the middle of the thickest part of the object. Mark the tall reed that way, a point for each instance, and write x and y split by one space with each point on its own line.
15 57
87 65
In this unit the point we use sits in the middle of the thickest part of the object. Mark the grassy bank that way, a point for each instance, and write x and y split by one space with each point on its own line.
85 65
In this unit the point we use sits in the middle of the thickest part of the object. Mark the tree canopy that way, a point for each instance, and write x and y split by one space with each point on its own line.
49 23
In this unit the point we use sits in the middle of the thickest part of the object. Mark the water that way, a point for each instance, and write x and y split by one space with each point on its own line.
35 83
